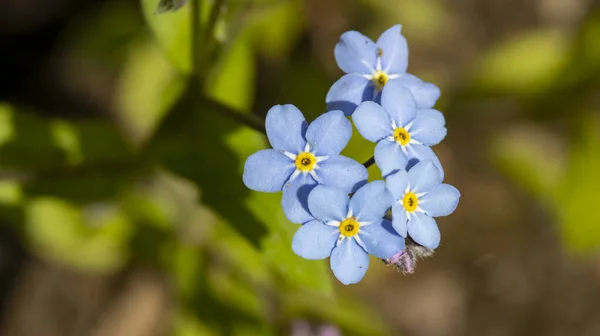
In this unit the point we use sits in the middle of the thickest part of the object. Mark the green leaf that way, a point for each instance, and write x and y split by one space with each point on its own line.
577 197
525 64
147 88
97 170
533 157
232 80
26 141
172 31
277 27
92 238
566 185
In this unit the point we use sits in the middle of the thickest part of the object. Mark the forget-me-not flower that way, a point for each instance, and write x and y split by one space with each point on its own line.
302 157
419 195
348 230
369 67
401 132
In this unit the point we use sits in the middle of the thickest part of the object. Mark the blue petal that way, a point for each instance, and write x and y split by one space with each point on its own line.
396 184
315 240
381 240
285 127
267 170
295 199
355 53
426 94
428 127
372 122
349 262
348 92
342 172
370 202
389 157
440 201
329 133
424 230
398 101
417 153
395 50
424 176
328 204
399 219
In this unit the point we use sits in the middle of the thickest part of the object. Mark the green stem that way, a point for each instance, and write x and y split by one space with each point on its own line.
369 162
247 119
215 12
196 35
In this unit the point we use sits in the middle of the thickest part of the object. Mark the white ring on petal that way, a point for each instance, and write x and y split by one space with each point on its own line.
290 155
294 175
359 241
333 223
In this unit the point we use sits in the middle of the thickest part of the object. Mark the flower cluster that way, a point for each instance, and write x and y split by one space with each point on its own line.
341 215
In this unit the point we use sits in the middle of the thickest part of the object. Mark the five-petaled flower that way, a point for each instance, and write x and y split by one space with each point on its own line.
348 230
302 157
369 67
419 195
402 133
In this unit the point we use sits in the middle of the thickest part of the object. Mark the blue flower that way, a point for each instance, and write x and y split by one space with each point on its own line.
370 67
401 132
419 195
348 230
302 157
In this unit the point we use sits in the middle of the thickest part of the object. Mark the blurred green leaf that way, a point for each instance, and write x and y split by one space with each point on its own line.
187 324
173 32
577 197
525 64
98 169
93 238
587 48
276 28
102 33
148 87
566 185
422 20
232 80
535 158
26 141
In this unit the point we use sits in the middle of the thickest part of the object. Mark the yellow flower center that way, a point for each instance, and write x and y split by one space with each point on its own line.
349 227
379 79
305 161
401 136
410 202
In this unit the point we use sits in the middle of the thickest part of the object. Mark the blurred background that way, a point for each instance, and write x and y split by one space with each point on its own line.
123 213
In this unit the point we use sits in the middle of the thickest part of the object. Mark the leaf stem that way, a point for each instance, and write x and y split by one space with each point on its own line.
249 120
196 35
369 162
215 12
